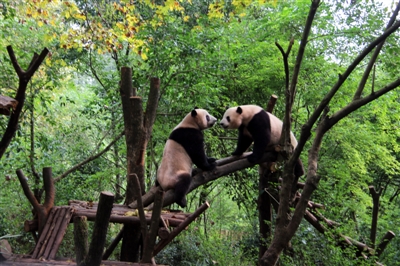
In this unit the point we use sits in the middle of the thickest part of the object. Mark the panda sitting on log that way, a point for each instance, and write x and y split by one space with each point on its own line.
255 124
185 147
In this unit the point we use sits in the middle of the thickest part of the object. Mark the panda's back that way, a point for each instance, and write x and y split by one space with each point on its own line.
276 131
175 161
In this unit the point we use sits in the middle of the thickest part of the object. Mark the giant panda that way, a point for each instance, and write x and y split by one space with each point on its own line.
255 124
184 147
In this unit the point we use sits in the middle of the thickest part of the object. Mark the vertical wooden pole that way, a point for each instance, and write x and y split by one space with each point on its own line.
100 229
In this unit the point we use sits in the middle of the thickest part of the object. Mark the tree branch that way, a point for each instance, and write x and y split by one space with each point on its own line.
306 129
374 56
24 78
232 164
89 159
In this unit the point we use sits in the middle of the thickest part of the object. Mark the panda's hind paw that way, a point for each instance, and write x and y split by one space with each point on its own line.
182 202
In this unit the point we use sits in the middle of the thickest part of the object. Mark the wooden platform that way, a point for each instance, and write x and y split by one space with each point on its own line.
53 233
26 261
60 217
125 215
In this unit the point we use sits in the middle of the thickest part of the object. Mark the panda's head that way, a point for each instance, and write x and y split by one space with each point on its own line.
234 117
198 118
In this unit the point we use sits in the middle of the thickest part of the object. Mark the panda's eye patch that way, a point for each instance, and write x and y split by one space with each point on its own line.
228 119
208 118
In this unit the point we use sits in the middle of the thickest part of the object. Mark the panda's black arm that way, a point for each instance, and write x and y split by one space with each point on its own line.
243 142
199 157
192 140
260 128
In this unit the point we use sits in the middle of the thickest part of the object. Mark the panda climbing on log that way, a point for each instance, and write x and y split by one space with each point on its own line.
185 147
255 124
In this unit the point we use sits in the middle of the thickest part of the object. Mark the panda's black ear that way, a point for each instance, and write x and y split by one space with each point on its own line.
194 113
196 107
239 110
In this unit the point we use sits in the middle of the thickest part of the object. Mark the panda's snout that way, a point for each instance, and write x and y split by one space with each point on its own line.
212 121
222 124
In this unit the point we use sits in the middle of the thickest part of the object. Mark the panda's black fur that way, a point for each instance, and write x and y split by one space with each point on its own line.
185 147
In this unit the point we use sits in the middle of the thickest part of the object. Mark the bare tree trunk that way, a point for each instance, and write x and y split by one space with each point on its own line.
24 78
138 129
41 211
375 209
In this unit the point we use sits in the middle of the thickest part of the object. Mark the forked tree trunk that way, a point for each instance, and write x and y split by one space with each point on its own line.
138 128
285 228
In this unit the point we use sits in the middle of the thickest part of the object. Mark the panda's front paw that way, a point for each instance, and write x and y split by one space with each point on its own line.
236 153
251 158
210 166
211 160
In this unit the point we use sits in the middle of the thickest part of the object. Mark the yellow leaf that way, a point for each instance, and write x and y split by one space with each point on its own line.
48 61
120 25
80 16
48 37
40 23
144 56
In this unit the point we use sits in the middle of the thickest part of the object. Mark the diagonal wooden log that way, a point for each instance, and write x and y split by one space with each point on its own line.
180 228
384 242
224 167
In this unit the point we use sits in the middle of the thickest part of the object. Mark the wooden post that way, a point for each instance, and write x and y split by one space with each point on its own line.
80 238
100 229
5 250
150 240
133 135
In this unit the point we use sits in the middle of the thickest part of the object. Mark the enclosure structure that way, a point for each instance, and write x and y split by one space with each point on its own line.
164 224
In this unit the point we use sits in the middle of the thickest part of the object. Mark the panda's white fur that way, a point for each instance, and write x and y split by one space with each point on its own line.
184 148
258 126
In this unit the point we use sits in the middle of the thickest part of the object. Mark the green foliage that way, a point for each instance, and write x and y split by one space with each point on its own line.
193 248
211 56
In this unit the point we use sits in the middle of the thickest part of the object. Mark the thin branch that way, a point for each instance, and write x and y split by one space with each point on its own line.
306 129
91 158
28 193
374 56
285 64
354 105
14 61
